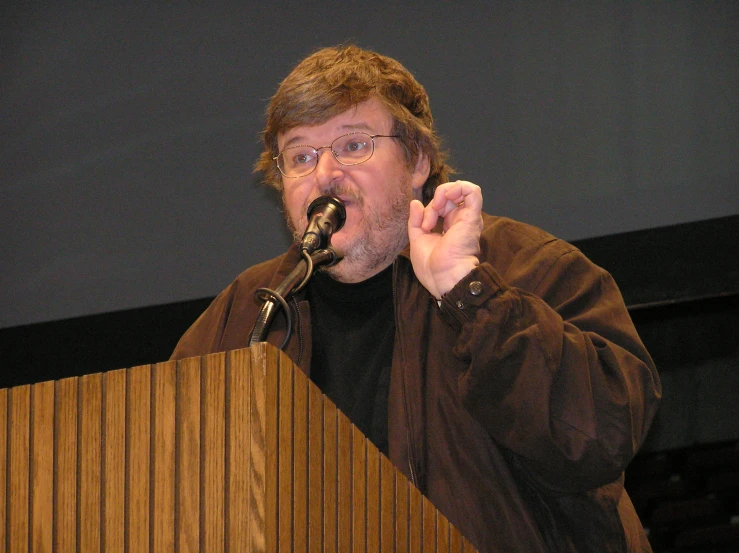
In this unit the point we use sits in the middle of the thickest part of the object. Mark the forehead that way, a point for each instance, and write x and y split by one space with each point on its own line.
368 116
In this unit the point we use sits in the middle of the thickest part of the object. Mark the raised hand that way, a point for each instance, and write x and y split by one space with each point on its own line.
440 260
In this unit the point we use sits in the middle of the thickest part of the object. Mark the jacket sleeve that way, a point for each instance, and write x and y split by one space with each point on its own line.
555 370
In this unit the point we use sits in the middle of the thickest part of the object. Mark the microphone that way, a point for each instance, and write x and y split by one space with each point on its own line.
326 215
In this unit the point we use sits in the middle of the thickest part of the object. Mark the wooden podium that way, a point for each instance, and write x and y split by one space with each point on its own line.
232 452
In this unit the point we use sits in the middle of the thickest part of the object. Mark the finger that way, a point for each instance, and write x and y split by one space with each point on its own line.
458 194
442 203
470 196
441 196
430 217
464 194
415 220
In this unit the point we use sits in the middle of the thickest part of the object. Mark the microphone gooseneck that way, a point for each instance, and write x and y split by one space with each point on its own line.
326 215
275 299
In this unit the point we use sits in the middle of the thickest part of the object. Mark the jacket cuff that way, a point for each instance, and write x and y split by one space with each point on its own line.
460 304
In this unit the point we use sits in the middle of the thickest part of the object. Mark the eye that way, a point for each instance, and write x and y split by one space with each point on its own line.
354 146
299 155
302 158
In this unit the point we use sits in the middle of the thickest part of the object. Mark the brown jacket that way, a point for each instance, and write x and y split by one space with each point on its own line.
515 405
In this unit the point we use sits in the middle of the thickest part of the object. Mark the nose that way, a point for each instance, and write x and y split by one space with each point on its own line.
327 168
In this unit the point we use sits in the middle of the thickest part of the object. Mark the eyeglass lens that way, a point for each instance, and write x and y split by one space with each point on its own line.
349 149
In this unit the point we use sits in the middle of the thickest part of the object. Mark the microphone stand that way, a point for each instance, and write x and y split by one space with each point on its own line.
295 281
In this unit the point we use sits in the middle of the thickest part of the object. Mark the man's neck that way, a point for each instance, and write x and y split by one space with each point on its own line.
353 274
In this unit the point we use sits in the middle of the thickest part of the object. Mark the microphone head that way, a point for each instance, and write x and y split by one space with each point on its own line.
326 215
330 207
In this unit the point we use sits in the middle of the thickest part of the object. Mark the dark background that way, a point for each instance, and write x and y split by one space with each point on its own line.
127 133
127 201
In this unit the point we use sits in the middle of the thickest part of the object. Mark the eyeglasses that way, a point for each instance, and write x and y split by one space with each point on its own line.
349 149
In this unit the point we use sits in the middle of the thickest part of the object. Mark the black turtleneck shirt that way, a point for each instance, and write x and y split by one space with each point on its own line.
353 335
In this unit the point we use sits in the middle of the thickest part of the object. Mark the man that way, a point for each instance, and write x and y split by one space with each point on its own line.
494 364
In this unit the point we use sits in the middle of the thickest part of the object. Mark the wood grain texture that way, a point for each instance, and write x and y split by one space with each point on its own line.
402 513
114 461
387 505
429 525
442 532
315 469
18 468
164 390
90 461
330 477
65 465
213 452
265 369
240 504
346 504
285 460
300 463
236 451
455 540
42 467
415 520
187 457
138 458
359 491
373 498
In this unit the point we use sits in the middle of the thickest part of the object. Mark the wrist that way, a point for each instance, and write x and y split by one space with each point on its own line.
460 270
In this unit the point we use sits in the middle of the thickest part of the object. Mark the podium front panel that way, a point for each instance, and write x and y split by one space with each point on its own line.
232 452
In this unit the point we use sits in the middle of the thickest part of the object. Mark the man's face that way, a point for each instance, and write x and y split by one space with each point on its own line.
376 193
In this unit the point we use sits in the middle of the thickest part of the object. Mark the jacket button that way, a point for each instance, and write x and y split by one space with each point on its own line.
460 304
475 287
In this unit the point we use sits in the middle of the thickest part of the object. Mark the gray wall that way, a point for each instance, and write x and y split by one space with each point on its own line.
127 134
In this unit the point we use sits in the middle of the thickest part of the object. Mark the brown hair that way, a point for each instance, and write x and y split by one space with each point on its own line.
333 80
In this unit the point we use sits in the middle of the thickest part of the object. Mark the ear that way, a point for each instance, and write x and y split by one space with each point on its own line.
420 173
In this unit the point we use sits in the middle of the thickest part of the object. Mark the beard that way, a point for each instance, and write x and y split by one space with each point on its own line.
381 237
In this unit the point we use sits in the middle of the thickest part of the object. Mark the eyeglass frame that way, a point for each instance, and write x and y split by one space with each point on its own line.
333 153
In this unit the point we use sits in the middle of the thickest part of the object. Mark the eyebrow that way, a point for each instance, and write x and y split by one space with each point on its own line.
300 140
